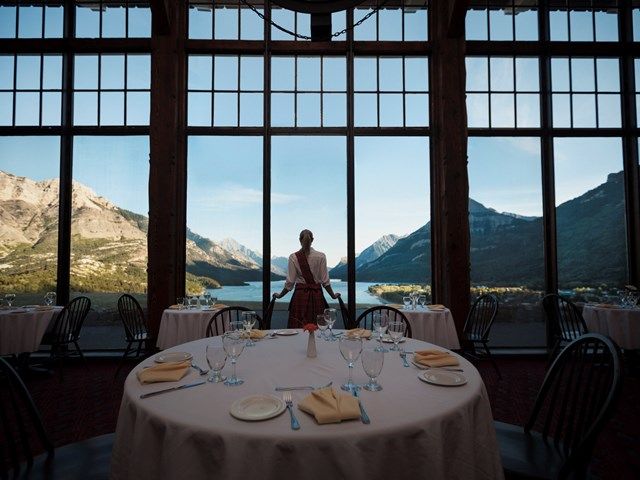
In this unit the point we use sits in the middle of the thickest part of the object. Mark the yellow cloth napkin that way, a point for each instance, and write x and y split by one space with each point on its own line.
435 358
164 372
437 306
327 406
395 305
176 307
220 305
606 305
359 332
255 334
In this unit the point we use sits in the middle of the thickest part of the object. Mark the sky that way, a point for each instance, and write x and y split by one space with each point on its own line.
308 173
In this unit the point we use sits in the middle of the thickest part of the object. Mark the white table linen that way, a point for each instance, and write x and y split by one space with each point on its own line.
21 329
621 324
433 326
417 430
182 326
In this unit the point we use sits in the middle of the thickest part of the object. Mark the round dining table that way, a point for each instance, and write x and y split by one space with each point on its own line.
22 328
433 325
621 324
182 325
416 429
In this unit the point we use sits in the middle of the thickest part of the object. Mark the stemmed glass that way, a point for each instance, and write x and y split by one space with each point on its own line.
422 300
330 315
350 348
214 300
407 302
396 332
207 299
193 301
49 298
10 297
233 344
322 323
372 361
216 358
414 299
248 321
380 324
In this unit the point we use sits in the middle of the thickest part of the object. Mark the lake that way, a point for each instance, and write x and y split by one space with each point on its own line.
253 292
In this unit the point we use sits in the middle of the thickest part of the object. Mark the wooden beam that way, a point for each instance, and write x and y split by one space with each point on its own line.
457 17
160 20
449 178
167 168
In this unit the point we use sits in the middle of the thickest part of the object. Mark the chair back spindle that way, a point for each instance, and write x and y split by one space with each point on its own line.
481 318
132 318
69 321
220 320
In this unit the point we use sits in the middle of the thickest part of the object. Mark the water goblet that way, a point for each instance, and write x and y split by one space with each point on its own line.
216 358
407 302
193 302
322 323
380 323
236 326
396 332
49 298
350 349
422 300
330 314
233 344
9 298
180 303
207 299
214 300
372 361
248 321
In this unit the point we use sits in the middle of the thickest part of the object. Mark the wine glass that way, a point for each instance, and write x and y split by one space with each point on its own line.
380 323
422 300
180 303
350 348
407 302
322 323
193 301
233 344
214 300
10 297
49 298
207 299
372 361
216 358
396 332
330 314
248 321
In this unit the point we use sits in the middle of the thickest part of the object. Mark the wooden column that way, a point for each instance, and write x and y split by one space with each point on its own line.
167 172
449 178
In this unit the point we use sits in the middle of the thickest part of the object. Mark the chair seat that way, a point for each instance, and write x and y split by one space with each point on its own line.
77 461
526 455
49 339
138 337
475 337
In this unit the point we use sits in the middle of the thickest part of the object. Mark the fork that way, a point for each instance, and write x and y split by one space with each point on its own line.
403 356
201 370
289 401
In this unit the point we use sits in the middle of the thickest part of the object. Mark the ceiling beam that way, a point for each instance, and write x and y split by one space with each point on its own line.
457 14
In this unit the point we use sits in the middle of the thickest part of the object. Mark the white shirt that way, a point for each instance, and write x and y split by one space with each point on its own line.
317 264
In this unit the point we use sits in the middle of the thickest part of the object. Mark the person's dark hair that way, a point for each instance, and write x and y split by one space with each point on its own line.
304 234
306 231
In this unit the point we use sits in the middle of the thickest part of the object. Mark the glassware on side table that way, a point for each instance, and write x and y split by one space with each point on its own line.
9 298
350 349
407 302
50 299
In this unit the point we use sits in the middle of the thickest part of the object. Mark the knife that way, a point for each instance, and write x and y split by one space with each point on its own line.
363 413
178 387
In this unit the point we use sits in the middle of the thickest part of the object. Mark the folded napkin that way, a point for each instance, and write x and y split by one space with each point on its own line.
176 307
359 332
435 358
327 406
44 307
255 334
164 372
436 306
606 305
220 305
395 305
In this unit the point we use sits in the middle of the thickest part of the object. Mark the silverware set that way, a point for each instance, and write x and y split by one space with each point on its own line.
363 413
289 402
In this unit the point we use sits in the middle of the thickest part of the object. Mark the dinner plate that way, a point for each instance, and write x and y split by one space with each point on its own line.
173 357
287 332
257 407
387 339
444 378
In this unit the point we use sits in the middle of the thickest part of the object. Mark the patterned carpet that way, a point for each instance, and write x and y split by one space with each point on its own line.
86 404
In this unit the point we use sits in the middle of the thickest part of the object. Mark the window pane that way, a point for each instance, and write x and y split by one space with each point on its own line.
28 72
309 73
226 72
251 110
302 166
252 26
85 72
390 24
30 24
6 71
139 71
284 18
560 74
51 108
223 220
112 72
501 24
415 24
225 109
199 109
502 110
109 230
112 108
226 23
416 74
581 26
582 75
526 25
7 21
52 72
85 108
416 110
138 108
308 110
527 75
391 113
6 108
476 25
505 218
53 22
282 73
366 110
609 115
251 73
561 110
366 74
584 110
29 169
478 110
606 26
113 22
477 74
334 74
390 74
200 72
27 108
590 216
608 70
140 22
87 21
200 22
558 25
392 240
528 110
366 30
282 109
501 74
334 109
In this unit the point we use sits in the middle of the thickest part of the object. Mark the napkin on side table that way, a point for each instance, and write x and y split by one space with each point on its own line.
164 372
327 406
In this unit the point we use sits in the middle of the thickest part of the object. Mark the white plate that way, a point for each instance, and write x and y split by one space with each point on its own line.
443 377
287 332
173 357
257 407
387 339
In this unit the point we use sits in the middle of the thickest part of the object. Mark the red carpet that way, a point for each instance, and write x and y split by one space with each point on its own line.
86 404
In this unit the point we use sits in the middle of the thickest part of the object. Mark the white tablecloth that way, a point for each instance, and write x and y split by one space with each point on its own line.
21 330
621 324
433 326
182 326
417 430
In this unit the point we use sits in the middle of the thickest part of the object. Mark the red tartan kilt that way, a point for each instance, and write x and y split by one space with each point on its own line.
307 302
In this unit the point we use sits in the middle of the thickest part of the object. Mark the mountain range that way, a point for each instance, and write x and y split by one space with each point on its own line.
109 251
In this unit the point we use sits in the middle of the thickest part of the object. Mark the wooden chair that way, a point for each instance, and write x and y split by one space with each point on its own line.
21 423
565 320
220 320
478 326
346 318
577 397
135 327
365 320
66 331
268 313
